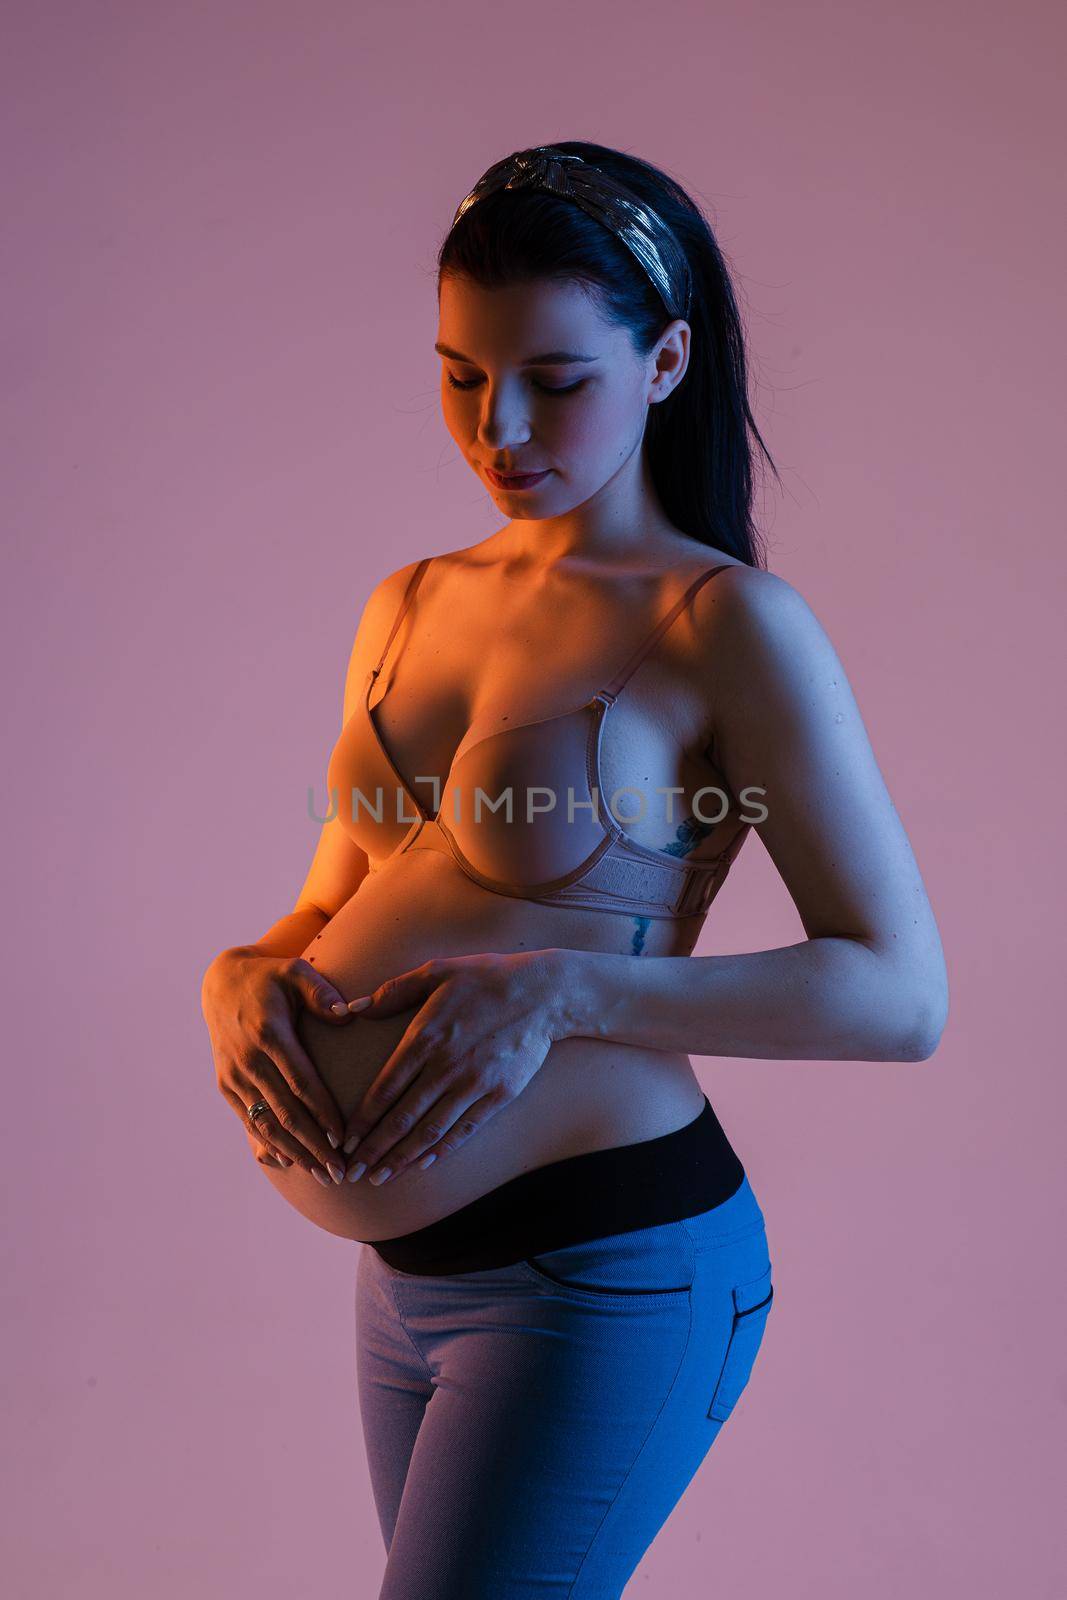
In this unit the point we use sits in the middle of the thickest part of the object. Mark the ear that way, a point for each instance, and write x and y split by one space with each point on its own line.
672 359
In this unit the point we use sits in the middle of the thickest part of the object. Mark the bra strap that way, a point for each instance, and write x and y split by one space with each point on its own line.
615 687
409 595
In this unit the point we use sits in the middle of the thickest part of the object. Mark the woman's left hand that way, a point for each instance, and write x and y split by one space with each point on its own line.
484 1026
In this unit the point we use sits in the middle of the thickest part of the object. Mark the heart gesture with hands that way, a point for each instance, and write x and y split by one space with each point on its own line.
484 1025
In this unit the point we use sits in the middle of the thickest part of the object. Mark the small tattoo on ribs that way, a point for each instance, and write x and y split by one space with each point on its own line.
687 836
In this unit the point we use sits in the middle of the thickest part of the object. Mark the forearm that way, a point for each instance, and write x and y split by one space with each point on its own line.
827 999
291 934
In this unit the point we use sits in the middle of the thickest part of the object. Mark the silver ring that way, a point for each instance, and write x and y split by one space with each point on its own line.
253 1111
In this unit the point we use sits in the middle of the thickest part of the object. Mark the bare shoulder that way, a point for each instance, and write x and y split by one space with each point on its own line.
372 628
389 591
385 600
777 689
387 595
759 625
751 589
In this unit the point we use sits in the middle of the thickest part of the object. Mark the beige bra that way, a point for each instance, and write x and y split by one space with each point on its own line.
572 854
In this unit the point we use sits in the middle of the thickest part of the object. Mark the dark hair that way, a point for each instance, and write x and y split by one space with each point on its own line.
699 441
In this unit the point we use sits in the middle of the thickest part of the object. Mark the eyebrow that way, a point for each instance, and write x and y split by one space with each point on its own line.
548 358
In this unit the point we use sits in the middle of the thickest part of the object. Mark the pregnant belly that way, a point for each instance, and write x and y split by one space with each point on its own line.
588 1095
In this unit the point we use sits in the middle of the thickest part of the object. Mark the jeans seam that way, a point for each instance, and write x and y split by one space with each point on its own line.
640 1450
407 1331
708 1246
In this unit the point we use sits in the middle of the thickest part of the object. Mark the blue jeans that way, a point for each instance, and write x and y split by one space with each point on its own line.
530 1428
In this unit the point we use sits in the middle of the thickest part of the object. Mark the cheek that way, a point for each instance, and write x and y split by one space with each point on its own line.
458 419
600 431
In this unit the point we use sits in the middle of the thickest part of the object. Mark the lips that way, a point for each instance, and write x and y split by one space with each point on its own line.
515 480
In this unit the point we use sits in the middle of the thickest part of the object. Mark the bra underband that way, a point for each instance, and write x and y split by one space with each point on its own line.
582 1197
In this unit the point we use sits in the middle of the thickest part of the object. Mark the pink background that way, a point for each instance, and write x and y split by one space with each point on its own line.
220 427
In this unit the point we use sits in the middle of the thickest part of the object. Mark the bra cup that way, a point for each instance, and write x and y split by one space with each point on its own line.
547 769
354 774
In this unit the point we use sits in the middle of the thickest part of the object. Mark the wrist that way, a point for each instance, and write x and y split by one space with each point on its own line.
228 958
220 971
573 990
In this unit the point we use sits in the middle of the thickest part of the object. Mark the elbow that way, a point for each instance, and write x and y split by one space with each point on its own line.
908 1009
929 1016
919 1046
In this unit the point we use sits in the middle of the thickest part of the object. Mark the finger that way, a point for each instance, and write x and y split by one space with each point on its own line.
420 1120
407 989
265 1155
265 1139
318 993
417 1046
300 1093
303 1077
436 1122
468 1117
267 1129
288 1126
264 1152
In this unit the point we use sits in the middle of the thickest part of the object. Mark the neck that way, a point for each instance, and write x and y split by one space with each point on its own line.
623 524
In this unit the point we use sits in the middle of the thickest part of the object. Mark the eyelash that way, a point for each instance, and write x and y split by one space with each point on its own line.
571 388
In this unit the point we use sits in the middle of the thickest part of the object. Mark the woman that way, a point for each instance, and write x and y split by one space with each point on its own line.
468 1045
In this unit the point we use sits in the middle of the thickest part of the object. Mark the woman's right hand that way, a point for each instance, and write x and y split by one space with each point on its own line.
250 1001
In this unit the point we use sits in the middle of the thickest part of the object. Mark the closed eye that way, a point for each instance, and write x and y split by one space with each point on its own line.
545 388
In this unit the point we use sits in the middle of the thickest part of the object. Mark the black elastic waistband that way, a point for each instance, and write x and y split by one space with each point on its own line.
582 1197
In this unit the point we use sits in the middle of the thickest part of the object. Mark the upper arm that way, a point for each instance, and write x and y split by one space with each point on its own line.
786 721
339 866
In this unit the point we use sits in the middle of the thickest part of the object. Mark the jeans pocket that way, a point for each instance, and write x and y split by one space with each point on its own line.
752 1304
594 1291
646 1265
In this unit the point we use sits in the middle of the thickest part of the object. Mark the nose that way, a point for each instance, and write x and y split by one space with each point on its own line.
503 424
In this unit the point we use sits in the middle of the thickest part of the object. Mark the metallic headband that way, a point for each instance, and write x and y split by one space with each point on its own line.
642 230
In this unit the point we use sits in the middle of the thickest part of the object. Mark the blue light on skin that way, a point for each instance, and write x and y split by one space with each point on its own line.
688 834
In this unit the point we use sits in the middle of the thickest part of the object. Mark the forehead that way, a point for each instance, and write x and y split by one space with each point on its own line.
515 321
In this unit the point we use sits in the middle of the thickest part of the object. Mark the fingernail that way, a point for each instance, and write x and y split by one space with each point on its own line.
428 1160
357 1171
286 1161
336 1173
358 1005
350 1143
320 1177
381 1175
334 1140
339 1007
